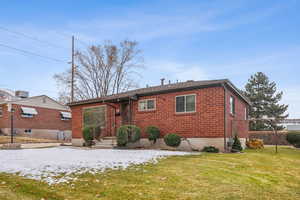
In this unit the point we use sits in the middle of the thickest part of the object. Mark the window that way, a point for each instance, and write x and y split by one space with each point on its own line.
186 103
232 105
147 104
246 113
28 112
1 111
65 115
95 118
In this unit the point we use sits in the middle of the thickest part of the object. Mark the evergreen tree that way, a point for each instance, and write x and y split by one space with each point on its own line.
265 102
236 146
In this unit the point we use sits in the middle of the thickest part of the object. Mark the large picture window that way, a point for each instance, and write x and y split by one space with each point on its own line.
186 103
147 104
94 118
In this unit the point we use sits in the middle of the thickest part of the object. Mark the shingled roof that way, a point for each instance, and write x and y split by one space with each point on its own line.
181 86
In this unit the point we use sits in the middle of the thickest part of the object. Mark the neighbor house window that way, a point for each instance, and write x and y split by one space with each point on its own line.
186 103
147 104
65 115
232 105
1 111
28 112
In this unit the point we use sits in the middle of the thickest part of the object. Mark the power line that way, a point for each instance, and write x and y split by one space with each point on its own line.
32 53
31 37
82 42
76 38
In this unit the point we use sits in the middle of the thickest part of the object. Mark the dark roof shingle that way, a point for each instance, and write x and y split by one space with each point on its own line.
162 89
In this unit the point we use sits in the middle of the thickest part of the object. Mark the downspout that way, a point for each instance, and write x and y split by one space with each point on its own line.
225 117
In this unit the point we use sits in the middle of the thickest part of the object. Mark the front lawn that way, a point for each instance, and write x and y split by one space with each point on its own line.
19 139
251 175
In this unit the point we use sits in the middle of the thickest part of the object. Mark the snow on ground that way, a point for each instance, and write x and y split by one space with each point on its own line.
56 165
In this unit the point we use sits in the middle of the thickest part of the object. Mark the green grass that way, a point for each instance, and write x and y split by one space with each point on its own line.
24 140
260 174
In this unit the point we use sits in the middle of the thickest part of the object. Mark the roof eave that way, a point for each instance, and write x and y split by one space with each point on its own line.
142 94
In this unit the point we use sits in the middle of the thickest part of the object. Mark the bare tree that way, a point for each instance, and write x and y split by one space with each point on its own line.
102 70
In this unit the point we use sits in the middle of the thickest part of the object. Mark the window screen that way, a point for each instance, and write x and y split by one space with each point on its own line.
180 104
148 104
186 103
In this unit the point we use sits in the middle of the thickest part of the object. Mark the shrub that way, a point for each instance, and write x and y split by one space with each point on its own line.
293 137
134 133
210 149
87 136
128 133
153 133
236 146
255 144
172 140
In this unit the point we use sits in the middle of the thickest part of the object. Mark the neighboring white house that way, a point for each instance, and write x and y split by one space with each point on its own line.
291 124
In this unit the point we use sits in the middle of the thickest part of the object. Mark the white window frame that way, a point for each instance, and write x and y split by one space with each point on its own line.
62 117
146 100
246 113
232 106
28 115
185 95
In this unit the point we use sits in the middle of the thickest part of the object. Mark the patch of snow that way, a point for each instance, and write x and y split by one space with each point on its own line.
57 165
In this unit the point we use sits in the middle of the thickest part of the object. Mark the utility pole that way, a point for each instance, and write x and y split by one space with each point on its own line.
73 71
12 110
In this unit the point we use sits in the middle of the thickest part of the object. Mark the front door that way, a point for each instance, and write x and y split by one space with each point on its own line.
125 114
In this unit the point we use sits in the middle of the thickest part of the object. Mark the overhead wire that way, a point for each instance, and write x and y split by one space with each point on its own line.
32 53
31 37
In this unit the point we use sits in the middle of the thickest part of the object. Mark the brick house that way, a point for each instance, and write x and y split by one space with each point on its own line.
38 116
204 112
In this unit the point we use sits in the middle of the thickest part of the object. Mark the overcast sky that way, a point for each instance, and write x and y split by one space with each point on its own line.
181 40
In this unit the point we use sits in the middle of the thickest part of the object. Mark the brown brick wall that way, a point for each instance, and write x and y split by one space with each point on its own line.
236 123
45 119
4 118
206 122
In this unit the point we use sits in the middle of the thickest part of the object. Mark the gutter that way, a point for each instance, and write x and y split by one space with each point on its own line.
225 118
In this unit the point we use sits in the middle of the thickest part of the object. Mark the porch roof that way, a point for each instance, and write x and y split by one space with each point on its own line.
167 88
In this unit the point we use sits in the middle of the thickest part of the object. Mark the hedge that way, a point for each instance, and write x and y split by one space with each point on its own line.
293 137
